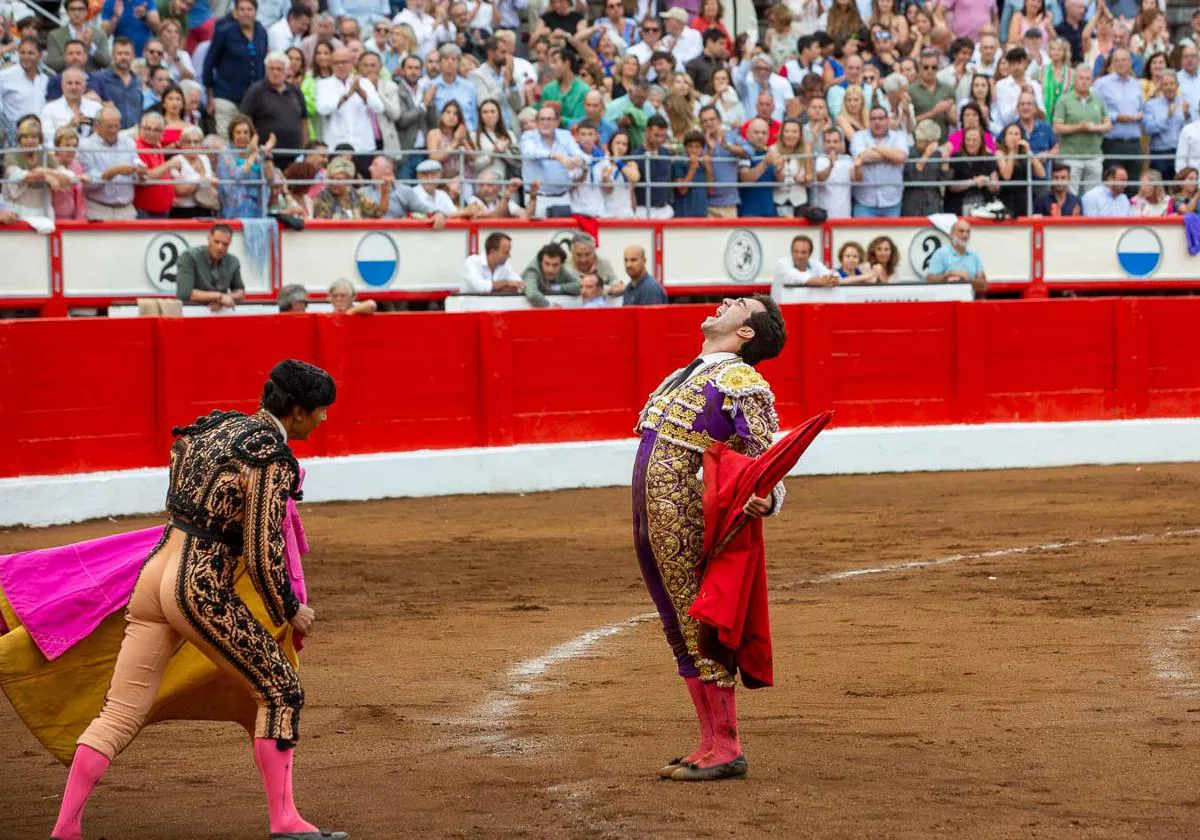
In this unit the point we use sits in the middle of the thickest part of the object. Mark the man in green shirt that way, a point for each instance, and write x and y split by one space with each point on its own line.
932 99
1081 120
546 275
567 88
210 274
630 112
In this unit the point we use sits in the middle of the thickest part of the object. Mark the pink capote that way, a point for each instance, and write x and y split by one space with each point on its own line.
62 594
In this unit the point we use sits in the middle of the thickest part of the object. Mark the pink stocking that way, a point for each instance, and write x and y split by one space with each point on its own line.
86 769
704 715
275 765
726 744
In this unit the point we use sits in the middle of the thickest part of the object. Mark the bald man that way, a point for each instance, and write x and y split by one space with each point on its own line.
110 160
642 289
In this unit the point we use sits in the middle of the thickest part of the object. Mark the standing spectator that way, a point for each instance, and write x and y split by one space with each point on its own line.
195 185
593 111
449 86
1010 88
1187 155
1109 198
387 139
111 163
683 42
74 58
1081 120
641 289
691 202
760 166
760 76
244 170
955 74
801 268
67 197
365 12
22 86
1058 200
987 60
764 109
975 178
933 99
1152 200
833 174
276 107
724 153
324 30
350 107
1036 131
449 144
654 196
618 173
1166 115
73 110
410 124
154 200
1122 95
234 61
1073 29
966 17
1015 166
28 179
587 196
490 273
209 274
136 20
419 16
630 112
174 56
78 28
956 262
725 99
1057 75
546 275
289 31
567 88
879 157
714 58
1189 77
551 160
494 79
925 168
157 82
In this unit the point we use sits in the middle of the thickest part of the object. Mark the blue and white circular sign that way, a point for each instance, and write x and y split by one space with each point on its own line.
1139 252
377 259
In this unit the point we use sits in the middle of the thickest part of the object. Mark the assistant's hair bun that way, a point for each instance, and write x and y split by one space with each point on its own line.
293 382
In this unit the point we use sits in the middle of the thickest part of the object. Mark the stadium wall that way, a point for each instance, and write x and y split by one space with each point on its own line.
520 401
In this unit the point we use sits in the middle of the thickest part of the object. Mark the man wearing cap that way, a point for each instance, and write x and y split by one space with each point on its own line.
757 75
401 199
681 40
551 159
429 191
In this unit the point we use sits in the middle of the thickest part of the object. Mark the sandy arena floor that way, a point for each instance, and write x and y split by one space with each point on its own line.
1002 693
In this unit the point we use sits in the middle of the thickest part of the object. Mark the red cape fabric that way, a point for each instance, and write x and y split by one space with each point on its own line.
733 594
589 225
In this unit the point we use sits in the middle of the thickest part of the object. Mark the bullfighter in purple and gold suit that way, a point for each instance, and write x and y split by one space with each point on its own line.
718 397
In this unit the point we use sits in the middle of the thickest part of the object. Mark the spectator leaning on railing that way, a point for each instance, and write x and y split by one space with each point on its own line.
209 274
956 262
800 268
490 273
111 162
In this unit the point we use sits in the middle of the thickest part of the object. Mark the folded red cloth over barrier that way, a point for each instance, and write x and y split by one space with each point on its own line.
733 594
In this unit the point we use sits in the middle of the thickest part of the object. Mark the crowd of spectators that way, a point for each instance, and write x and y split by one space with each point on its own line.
350 109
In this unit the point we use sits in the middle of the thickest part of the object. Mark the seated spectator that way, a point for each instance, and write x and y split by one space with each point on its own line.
879 157
1015 164
759 167
298 201
591 292
970 116
449 143
490 273
339 199
692 202
244 170
28 176
925 168
209 274
293 298
956 263
583 259
641 289
153 200
1152 200
430 191
800 269
852 264
975 178
195 184
1108 198
1186 195
74 110
1059 200
833 176
547 275
883 258
111 163
78 28
67 195
492 200
342 294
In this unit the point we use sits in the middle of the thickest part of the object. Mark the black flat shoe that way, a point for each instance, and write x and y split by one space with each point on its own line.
735 769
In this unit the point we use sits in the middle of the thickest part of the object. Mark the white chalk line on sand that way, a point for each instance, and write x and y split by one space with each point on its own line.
487 722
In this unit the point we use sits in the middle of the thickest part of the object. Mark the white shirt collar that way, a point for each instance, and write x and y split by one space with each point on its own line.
278 424
712 358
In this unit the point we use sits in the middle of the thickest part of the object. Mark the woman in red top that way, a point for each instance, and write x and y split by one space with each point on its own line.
711 14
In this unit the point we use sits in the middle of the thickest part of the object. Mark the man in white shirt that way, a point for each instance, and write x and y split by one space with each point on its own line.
1187 153
1009 89
22 87
587 196
291 30
346 103
987 58
834 172
800 269
1108 199
684 42
72 109
430 193
489 273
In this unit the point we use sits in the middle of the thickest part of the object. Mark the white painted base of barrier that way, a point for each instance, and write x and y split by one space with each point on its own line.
51 500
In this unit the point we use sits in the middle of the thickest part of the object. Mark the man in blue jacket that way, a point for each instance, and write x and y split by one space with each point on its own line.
234 61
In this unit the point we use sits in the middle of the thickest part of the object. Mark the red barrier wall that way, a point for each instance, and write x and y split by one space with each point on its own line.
102 394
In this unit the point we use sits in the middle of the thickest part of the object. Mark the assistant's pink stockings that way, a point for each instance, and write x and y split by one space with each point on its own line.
722 705
703 715
86 769
275 765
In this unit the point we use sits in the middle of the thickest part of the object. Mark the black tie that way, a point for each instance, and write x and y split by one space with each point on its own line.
683 375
